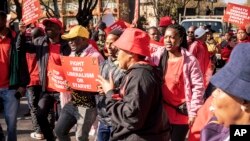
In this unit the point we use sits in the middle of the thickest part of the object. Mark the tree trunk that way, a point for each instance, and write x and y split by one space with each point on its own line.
56 9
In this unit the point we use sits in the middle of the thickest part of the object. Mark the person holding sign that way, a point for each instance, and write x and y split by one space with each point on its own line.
48 49
136 109
33 89
109 65
81 110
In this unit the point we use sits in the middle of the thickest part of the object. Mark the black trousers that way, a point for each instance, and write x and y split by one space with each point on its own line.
46 114
33 94
179 132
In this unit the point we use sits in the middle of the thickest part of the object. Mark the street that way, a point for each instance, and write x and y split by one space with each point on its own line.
24 125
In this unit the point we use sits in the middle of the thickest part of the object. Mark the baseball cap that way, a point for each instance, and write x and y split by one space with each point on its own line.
76 31
199 32
53 20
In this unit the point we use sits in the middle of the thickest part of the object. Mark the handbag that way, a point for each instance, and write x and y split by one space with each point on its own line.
181 109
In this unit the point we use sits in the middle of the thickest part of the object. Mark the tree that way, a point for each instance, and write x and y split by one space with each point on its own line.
168 7
49 11
84 14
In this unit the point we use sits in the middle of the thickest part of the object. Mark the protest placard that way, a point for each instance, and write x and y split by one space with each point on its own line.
154 45
120 25
81 72
56 79
31 11
237 14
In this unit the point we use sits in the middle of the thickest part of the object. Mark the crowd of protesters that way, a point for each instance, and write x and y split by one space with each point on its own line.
171 93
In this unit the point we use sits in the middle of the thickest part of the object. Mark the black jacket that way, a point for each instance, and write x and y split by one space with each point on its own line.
139 116
19 76
41 48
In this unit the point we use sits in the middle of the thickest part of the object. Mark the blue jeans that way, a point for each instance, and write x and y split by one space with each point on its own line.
104 132
10 105
71 115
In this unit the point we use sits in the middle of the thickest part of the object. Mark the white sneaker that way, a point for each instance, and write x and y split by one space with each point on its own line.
37 136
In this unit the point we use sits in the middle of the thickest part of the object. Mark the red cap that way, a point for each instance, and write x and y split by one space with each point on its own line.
135 41
165 21
53 20
242 28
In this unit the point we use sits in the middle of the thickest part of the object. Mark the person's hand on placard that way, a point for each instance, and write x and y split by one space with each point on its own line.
105 84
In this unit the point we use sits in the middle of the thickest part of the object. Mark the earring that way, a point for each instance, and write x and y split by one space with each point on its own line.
243 108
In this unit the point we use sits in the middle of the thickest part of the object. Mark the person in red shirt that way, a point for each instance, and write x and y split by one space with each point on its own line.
183 82
34 87
199 49
12 78
48 49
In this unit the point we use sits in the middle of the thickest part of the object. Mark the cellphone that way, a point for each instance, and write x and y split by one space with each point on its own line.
18 95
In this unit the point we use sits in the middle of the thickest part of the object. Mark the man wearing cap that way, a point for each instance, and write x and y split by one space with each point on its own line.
136 109
13 78
163 24
81 110
199 49
48 49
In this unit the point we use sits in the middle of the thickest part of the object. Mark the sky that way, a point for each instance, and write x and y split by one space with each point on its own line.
236 1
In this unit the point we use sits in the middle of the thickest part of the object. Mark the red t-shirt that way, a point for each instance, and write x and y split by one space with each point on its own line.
33 69
5 48
173 91
54 58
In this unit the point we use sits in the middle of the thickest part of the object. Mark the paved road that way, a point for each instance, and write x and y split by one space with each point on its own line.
24 125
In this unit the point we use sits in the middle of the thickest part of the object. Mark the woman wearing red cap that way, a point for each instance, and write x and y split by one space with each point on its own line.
242 35
183 87
136 109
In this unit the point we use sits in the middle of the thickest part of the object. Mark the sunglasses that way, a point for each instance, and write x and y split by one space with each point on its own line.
190 31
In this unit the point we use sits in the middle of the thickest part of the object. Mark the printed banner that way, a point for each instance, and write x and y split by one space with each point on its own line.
81 72
120 25
237 14
155 45
31 11
56 78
